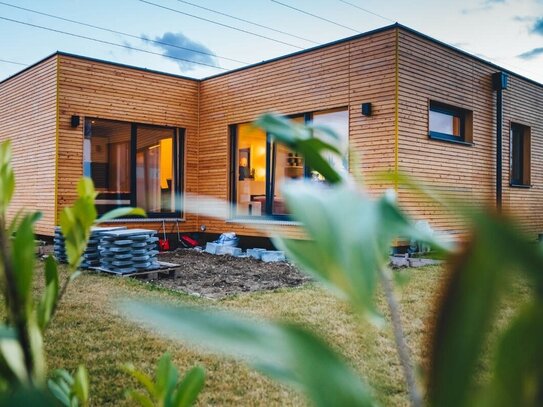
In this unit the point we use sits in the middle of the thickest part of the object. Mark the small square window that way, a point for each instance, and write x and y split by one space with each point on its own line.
449 123
520 147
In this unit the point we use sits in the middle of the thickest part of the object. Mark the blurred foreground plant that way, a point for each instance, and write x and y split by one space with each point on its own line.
349 238
22 357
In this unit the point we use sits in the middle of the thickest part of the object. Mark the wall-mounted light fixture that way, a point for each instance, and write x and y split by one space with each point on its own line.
76 120
366 109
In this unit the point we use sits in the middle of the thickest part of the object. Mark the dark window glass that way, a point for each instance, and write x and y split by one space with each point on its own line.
520 154
106 159
448 122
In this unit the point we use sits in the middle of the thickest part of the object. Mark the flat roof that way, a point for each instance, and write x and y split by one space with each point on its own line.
329 44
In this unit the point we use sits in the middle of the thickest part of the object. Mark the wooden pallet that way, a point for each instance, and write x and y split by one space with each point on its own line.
165 270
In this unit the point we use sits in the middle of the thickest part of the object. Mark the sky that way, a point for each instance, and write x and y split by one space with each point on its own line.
164 37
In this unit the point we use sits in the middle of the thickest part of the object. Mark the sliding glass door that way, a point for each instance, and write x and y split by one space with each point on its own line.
259 166
134 165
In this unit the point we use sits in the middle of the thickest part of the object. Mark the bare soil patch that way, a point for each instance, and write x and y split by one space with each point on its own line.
213 276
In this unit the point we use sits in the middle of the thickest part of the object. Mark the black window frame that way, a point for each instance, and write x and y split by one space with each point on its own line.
178 146
523 178
450 110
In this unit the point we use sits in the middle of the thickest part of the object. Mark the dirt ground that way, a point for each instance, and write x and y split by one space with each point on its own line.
214 276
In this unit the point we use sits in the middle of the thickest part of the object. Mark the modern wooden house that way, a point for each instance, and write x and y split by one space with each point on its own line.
400 99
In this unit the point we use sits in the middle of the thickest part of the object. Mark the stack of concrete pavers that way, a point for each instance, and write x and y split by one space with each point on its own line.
59 248
91 257
129 251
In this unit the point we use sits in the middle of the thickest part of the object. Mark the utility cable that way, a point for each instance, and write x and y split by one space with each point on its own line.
366 10
110 43
247 21
314 15
12 62
220 24
120 32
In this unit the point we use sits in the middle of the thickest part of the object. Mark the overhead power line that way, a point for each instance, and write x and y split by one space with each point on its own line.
120 32
366 10
111 43
12 62
220 24
247 21
314 15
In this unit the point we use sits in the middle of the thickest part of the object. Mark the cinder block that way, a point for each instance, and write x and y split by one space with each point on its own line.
211 248
232 251
256 253
273 256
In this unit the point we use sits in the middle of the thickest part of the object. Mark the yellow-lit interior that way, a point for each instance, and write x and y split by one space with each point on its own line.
166 162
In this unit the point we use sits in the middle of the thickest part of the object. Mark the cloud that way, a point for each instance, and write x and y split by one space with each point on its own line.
537 28
532 54
484 5
183 48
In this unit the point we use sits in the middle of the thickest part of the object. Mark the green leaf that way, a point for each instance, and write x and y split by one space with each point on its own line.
349 237
140 398
14 358
142 378
477 278
189 388
7 178
60 394
285 352
518 371
119 212
165 377
50 294
80 388
302 139
23 259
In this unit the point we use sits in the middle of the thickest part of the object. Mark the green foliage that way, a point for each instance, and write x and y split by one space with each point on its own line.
285 352
349 235
22 358
70 391
302 139
166 390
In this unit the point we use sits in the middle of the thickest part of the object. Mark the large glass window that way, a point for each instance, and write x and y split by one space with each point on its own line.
520 155
155 181
261 165
133 165
338 121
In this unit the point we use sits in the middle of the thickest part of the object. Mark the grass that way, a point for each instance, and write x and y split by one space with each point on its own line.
89 330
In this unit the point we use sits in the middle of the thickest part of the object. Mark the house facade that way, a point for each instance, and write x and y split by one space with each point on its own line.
399 99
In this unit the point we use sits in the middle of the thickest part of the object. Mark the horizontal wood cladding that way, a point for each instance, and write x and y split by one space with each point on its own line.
99 90
428 71
28 119
342 75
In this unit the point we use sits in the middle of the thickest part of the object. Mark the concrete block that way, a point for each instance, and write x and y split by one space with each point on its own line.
211 248
273 256
256 253
232 251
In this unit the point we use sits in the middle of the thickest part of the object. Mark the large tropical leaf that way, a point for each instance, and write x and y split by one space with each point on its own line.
285 352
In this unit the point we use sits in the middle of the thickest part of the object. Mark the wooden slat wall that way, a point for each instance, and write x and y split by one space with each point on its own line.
523 104
345 74
28 118
429 71
101 90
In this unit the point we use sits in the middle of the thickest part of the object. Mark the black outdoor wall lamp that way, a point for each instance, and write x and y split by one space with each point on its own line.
366 109
75 121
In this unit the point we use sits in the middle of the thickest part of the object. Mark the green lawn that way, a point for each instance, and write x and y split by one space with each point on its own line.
89 330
